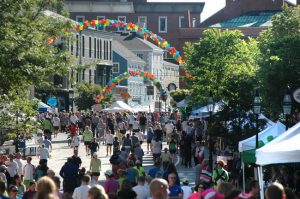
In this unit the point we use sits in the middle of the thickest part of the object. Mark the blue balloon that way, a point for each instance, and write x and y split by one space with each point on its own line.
52 101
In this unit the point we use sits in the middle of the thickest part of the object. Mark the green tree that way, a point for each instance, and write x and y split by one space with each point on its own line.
225 64
280 58
180 94
25 59
87 94
17 115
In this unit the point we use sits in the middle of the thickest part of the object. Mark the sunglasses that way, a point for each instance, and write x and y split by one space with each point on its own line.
172 177
14 190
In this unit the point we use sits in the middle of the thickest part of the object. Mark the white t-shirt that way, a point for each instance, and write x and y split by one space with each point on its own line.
156 147
187 191
44 154
131 119
56 121
12 168
81 192
28 171
141 192
135 125
20 164
75 141
73 119
109 138
169 128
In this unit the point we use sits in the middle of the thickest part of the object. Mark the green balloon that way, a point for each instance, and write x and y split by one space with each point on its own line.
260 143
270 138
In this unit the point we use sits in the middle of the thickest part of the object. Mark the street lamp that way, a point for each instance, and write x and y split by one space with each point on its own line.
210 109
256 109
71 100
287 105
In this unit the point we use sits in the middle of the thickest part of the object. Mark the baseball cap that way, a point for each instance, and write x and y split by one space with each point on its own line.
221 163
3 168
108 172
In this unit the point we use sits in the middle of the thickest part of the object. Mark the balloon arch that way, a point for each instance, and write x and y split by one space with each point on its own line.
143 32
116 80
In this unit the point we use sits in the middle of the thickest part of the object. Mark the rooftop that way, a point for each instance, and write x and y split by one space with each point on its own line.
132 42
254 19
127 54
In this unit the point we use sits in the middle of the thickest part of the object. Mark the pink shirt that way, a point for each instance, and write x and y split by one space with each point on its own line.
111 186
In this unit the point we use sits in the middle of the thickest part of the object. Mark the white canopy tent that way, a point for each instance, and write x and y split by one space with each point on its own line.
119 106
266 135
182 104
138 108
284 149
203 111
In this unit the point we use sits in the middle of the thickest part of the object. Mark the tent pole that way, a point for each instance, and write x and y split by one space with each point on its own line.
244 180
260 181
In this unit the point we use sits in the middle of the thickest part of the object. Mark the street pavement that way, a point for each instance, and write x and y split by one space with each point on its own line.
61 151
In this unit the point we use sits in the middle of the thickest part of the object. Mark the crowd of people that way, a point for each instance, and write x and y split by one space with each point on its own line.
124 134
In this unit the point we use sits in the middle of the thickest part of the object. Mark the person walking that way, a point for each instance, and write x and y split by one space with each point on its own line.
159 189
44 154
20 164
87 139
29 172
56 124
109 139
150 135
47 143
111 185
11 168
69 173
95 167
82 191
93 146
95 121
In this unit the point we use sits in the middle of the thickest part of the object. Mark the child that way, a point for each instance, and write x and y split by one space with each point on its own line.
75 141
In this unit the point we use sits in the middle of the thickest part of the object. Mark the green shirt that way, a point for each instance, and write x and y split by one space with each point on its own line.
47 125
141 171
87 136
95 165
222 173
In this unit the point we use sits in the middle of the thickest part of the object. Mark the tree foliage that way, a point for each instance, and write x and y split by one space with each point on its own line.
17 115
180 94
24 58
280 58
225 64
86 96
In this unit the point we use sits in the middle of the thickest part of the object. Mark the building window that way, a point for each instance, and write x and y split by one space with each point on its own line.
115 68
100 49
162 24
90 76
110 50
80 19
98 27
90 47
104 48
123 19
140 55
181 22
77 45
142 21
83 46
95 48
83 74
